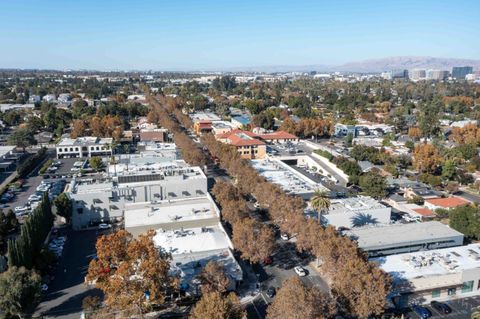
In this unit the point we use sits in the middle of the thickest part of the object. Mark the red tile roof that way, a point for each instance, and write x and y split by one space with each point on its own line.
236 139
278 135
425 212
447 202
152 136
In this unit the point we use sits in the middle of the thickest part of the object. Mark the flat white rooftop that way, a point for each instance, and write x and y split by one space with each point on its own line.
194 240
144 214
204 116
86 140
354 204
146 162
393 235
4 150
431 263
281 174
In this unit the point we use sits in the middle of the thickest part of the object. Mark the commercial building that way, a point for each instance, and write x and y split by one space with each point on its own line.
441 274
202 122
105 200
356 212
417 74
460 72
404 238
156 135
290 180
438 75
221 127
241 121
193 248
246 142
8 159
9 107
84 147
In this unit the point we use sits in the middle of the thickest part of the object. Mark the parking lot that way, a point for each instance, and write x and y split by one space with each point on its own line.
67 290
282 267
461 309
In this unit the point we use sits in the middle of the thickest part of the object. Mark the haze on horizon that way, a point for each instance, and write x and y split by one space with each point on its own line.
213 34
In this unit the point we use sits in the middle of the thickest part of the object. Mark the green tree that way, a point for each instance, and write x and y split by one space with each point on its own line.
448 170
19 291
373 184
320 202
22 137
64 206
466 219
95 163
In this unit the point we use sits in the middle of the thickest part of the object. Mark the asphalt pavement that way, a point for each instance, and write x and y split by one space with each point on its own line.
66 292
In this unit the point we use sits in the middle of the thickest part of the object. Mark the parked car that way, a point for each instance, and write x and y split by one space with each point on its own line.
284 236
268 261
104 226
271 291
299 270
422 312
44 287
441 307
20 209
34 197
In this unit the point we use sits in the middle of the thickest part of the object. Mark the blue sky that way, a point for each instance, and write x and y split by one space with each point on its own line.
200 34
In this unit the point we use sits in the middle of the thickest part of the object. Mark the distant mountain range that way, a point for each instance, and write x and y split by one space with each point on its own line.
373 65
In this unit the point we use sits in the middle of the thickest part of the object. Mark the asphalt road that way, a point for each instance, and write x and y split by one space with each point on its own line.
66 292
468 196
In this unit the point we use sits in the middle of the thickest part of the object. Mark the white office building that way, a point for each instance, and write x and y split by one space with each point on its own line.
356 212
84 147
404 238
442 274
106 200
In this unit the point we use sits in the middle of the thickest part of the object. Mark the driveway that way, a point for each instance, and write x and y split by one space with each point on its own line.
67 290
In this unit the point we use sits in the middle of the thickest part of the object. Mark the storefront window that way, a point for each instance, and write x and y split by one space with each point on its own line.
436 293
452 291
467 286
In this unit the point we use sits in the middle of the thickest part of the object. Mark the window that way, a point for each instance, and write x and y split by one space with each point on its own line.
452 291
467 286
436 293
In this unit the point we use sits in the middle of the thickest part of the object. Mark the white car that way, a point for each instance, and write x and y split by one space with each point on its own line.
44 287
300 271
104 226
34 197
284 236
21 209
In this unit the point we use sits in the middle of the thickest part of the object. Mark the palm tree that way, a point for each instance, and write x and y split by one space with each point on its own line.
320 202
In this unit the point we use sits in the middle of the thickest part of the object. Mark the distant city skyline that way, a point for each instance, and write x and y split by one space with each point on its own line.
213 34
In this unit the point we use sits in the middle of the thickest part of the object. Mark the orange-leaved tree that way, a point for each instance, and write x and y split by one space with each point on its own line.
132 273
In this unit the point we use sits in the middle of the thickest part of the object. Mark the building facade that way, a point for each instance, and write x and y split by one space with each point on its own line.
441 274
84 147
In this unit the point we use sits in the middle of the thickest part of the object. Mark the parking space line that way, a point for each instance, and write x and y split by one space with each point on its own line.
256 310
